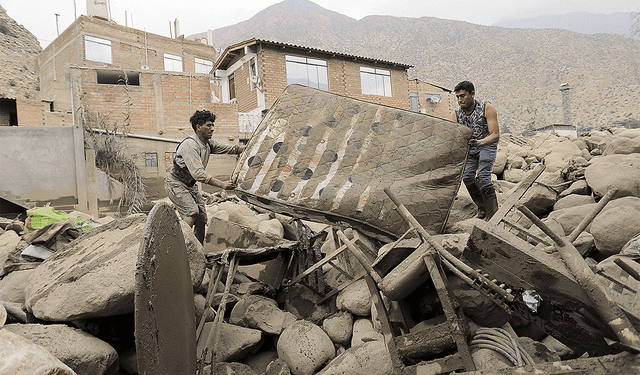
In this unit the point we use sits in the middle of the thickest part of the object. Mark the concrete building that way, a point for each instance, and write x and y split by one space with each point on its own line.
430 99
254 72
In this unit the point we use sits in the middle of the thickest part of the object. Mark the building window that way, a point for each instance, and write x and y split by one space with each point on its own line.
413 99
172 63
307 72
97 49
118 77
432 98
253 73
232 86
203 66
151 159
375 81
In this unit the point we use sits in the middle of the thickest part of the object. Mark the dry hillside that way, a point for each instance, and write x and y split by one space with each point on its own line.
18 51
519 70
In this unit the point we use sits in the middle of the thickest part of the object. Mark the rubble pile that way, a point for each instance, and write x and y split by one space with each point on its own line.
77 305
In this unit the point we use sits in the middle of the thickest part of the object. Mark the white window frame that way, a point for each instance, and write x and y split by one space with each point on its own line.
97 49
313 67
375 81
173 63
253 72
203 65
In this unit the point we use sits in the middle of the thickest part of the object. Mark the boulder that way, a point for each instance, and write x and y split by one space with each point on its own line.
21 356
234 342
8 242
278 367
240 309
355 298
84 353
304 304
232 368
361 328
615 171
268 318
579 187
515 162
13 285
94 276
616 225
305 347
339 327
569 218
271 227
514 175
500 163
542 195
259 362
369 358
573 200
622 145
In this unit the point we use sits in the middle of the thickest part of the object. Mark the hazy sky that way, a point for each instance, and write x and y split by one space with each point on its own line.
194 16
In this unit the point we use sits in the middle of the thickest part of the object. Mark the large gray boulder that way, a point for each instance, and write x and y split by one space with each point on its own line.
339 327
21 356
370 358
573 200
571 217
305 348
542 195
616 225
12 286
305 304
622 145
94 276
355 298
615 171
234 342
8 242
84 353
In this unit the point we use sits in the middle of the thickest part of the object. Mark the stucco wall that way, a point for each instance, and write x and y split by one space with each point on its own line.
38 163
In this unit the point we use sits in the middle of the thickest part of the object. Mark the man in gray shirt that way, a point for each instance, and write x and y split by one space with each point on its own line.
189 167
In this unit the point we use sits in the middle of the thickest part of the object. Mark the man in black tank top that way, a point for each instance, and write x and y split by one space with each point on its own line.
482 118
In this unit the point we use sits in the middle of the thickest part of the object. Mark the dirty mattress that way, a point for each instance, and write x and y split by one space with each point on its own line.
327 157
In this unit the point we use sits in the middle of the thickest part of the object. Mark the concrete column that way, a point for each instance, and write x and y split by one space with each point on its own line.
92 190
81 169
157 97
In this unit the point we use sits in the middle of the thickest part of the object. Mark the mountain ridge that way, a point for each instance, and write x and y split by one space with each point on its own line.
518 70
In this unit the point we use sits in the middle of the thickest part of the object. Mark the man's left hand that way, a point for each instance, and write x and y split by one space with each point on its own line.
474 142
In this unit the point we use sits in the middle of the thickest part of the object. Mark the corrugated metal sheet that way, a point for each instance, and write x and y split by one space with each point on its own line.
328 157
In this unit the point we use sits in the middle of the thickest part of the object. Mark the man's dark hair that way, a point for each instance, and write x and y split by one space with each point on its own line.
200 118
466 86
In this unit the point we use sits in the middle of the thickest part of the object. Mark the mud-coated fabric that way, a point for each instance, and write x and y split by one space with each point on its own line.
192 157
187 200
476 121
480 166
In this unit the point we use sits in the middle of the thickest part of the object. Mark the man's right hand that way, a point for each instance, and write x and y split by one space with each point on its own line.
228 185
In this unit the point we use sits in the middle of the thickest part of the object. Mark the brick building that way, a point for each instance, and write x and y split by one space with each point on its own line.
430 99
253 73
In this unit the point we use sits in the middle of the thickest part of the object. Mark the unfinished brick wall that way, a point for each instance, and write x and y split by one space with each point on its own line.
29 112
161 104
129 51
343 78
440 109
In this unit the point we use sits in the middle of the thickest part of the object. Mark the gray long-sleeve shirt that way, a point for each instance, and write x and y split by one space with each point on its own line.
194 154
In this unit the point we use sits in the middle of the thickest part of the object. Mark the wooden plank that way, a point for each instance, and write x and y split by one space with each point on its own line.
522 188
164 312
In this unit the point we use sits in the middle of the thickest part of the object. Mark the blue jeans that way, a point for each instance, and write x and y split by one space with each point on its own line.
480 165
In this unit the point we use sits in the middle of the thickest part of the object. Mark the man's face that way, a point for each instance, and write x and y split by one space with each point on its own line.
205 130
465 99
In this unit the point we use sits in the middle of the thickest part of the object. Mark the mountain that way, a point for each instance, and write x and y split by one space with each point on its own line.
518 70
579 22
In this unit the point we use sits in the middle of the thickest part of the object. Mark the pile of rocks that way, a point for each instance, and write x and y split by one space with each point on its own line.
78 304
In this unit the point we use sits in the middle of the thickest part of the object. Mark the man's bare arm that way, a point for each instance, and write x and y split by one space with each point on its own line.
492 123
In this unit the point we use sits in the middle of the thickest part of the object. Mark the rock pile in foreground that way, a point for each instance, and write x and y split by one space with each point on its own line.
78 303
